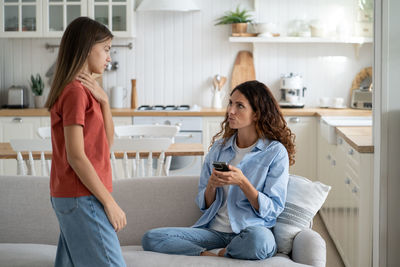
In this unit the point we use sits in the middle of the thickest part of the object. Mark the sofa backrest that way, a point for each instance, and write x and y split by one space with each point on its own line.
26 215
152 202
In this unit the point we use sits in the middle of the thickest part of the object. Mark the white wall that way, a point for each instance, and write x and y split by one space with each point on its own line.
176 55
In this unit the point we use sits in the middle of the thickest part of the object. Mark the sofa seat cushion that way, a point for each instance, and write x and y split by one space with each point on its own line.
32 255
135 256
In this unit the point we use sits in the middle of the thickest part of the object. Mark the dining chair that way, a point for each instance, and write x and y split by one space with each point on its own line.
149 131
137 149
29 145
44 132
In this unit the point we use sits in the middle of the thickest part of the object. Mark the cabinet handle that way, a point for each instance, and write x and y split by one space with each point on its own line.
354 190
17 120
294 119
351 151
347 180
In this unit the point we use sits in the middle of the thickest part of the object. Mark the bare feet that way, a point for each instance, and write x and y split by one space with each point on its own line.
221 253
208 253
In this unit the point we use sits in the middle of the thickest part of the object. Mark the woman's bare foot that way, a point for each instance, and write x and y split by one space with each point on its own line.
221 253
208 253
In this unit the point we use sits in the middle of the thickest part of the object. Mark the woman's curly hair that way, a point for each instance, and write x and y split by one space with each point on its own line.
270 121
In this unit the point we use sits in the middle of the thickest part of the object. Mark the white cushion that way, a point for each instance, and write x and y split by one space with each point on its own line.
304 199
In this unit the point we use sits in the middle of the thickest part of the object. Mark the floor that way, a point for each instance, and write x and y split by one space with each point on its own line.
333 258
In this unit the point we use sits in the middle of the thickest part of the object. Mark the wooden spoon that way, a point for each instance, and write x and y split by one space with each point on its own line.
221 83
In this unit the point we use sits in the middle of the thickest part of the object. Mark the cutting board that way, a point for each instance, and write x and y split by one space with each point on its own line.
243 69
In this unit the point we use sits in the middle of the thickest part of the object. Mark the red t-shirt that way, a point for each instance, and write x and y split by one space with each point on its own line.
76 105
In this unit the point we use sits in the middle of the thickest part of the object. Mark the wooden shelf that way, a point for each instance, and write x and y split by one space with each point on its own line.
351 40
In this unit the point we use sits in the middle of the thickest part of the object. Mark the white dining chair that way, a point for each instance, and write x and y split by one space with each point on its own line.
139 147
27 167
44 132
149 131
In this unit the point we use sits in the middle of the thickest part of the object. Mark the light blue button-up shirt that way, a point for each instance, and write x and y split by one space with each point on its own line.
266 167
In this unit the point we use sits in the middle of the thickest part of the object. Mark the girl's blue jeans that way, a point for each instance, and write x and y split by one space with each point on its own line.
87 238
253 243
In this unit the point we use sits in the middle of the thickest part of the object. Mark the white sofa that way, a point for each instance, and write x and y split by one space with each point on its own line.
29 228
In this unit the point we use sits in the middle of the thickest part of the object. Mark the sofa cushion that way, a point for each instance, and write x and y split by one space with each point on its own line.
32 255
135 256
304 199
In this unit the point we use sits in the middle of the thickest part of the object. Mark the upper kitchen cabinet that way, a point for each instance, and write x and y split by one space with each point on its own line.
58 14
49 18
21 18
116 14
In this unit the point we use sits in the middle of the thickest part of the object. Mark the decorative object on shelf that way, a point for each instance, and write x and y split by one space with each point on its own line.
238 19
37 86
243 69
361 90
299 28
268 29
167 5
218 82
118 95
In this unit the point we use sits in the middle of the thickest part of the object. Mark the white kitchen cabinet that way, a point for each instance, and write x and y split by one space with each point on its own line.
21 18
347 212
304 127
211 126
49 18
14 128
59 13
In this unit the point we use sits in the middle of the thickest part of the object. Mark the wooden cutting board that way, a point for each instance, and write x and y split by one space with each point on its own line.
243 69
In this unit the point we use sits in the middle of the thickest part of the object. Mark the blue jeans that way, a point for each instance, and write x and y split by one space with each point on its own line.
253 243
87 238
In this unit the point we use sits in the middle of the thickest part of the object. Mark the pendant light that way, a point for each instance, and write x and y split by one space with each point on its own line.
167 5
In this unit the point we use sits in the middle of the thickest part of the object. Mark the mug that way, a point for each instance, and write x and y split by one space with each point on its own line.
337 102
118 95
324 102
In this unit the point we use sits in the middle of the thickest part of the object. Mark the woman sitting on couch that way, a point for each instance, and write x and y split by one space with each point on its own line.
240 205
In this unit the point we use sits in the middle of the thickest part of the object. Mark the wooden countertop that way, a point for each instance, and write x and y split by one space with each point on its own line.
204 112
360 137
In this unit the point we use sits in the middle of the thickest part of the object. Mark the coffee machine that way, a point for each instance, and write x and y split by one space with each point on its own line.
292 91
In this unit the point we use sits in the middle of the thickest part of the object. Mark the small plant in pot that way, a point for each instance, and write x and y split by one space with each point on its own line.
37 86
238 19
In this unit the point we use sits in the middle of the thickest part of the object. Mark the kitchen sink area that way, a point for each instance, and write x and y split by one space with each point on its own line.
328 125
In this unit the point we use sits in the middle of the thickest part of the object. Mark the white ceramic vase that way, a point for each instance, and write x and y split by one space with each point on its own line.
217 99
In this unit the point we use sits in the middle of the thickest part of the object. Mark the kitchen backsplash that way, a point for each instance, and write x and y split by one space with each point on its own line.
175 55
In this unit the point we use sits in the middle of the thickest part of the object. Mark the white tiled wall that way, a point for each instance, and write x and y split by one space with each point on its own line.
176 54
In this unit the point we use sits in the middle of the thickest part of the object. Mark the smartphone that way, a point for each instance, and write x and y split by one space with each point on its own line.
221 166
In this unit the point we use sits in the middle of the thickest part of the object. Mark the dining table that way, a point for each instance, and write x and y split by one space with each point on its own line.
178 149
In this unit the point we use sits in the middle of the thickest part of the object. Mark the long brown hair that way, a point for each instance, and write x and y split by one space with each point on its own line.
77 41
270 122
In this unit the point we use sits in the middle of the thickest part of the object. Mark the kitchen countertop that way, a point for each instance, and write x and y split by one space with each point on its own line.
204 112
360 138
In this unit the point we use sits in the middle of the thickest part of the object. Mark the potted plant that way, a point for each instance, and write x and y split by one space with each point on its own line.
238 19
37 86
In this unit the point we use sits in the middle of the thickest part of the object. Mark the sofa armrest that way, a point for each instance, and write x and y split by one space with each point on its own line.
309 248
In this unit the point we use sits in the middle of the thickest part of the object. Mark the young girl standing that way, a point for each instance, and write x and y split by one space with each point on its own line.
82 132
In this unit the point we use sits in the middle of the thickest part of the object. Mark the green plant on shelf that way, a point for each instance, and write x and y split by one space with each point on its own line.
37 85
237 16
